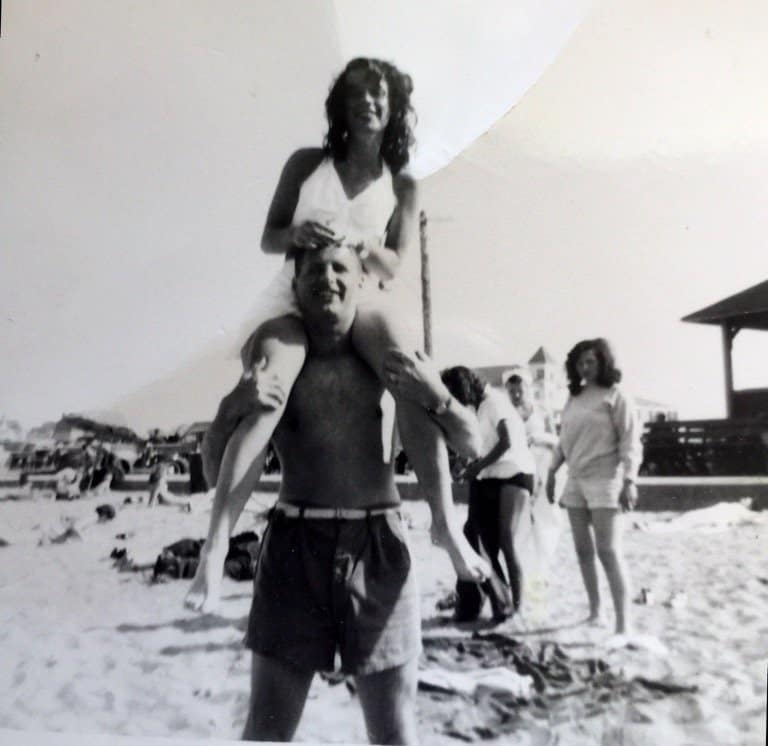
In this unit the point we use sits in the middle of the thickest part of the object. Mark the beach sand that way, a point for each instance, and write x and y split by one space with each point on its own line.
86 648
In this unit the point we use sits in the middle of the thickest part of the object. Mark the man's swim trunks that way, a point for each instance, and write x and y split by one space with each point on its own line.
324 585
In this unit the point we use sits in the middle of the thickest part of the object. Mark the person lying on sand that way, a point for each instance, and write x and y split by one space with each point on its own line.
159 491
335 572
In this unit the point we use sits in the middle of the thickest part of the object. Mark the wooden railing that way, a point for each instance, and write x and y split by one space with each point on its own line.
735 447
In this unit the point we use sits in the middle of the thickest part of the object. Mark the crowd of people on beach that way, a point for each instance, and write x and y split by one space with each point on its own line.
334 576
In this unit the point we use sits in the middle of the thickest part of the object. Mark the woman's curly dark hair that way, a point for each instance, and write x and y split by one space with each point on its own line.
464 385
398 135
607 372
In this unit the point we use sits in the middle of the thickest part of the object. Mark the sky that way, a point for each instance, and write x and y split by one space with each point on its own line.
602 177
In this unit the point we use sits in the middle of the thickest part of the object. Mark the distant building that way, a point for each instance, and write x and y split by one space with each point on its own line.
549 384
550 387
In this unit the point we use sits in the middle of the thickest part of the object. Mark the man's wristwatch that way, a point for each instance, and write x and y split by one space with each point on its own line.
442 407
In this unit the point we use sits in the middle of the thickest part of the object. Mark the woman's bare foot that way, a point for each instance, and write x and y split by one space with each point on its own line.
595 619
204 594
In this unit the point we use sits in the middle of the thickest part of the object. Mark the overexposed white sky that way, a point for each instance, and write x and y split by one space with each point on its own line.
140 143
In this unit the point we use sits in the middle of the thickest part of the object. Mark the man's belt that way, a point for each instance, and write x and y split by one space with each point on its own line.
298 511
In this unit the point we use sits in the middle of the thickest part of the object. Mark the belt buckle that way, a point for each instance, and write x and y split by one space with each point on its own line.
338 513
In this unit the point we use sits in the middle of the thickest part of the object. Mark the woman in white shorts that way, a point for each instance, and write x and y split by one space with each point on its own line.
600 442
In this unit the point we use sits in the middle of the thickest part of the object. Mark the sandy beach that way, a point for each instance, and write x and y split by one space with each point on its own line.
87 648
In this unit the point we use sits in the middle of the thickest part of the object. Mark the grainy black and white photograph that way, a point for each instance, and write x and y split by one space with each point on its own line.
384 372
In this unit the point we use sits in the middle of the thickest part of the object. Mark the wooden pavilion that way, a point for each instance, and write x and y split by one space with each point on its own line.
745 310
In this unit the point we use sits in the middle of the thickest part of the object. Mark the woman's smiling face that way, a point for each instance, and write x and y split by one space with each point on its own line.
366 100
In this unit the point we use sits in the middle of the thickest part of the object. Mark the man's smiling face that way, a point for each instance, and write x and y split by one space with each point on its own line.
328 281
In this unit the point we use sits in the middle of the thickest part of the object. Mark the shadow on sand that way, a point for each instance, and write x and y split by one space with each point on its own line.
198 623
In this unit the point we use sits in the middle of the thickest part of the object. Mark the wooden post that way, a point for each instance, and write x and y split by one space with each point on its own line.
728 333
426 292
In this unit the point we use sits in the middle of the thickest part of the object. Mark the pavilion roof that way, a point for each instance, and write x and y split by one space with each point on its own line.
745 310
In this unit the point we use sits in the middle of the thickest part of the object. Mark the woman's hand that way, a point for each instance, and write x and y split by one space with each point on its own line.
416 378
628 496
471 471
313 235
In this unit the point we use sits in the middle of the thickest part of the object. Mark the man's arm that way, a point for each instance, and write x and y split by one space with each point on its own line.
418 379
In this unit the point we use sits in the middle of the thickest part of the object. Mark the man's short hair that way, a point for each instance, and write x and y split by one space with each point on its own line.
299 255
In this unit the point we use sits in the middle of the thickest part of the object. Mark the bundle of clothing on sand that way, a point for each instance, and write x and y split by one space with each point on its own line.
527 680
180 559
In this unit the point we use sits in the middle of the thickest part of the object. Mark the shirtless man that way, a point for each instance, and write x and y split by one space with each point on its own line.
415 380
335 573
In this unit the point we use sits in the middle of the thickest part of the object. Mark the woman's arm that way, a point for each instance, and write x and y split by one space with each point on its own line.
628 430
384 260
278 236
501 446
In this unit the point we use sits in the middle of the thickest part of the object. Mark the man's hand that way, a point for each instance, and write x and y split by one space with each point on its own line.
467 563
628 496
257 389
416 378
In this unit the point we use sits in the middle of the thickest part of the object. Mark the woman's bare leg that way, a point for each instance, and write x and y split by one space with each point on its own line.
585 553
282 347
374 335
512 501
607 523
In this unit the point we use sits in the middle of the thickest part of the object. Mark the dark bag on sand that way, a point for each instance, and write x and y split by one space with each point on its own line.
105 512
242 555
180 559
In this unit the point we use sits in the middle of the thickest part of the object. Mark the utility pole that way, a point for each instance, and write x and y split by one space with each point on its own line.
426 291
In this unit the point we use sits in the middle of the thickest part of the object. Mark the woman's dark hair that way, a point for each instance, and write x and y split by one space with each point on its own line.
398 135
607 372
464 384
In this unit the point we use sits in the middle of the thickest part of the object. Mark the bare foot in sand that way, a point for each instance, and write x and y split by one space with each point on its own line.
595 619
204 594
